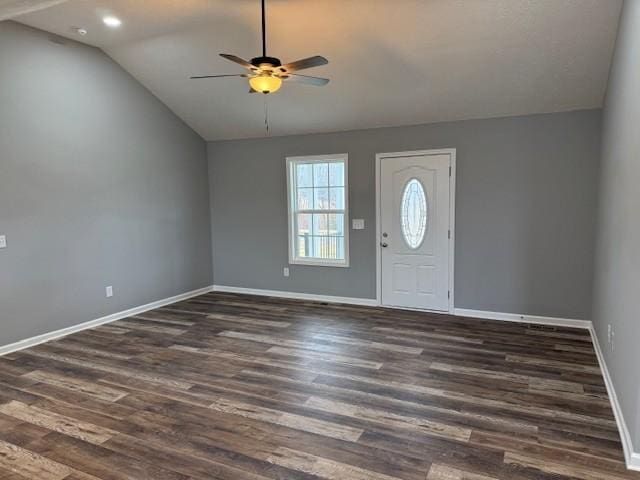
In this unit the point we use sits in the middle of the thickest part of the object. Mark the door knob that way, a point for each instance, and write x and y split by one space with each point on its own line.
384 244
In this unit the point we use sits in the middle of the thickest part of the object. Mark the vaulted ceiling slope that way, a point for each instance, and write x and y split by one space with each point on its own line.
12 8
395 62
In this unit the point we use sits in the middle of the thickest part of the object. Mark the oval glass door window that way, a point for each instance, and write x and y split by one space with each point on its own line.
413 213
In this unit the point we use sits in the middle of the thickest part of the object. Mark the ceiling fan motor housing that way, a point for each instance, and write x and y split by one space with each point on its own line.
269 62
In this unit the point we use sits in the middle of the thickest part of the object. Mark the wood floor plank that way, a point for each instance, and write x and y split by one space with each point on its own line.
96 365
472 420
555 468
536 451
537 361
370 344
297 422
249 321
390 419
132 324
327 357
422 334
160 319
58 423
91 462
494 375
441 472
464 397
323 467
92 389
30 465
182 459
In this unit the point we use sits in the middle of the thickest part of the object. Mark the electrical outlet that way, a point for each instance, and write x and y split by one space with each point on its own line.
3 241
109 291
286 271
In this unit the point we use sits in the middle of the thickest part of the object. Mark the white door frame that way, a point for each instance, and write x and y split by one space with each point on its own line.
452 218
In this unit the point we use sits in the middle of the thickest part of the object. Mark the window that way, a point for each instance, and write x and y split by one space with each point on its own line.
318 210
413 214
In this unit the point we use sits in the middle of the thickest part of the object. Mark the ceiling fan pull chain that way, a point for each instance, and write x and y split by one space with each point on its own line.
266 115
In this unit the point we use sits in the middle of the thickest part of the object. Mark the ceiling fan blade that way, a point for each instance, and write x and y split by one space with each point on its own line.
317 81
238 60
218 76
304 63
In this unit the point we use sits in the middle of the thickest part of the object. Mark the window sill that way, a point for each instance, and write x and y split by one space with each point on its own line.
319 263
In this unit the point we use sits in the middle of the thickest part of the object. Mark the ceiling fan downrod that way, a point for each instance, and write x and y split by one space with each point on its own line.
264 30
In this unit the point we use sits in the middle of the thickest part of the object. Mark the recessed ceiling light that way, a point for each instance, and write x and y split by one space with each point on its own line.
112 22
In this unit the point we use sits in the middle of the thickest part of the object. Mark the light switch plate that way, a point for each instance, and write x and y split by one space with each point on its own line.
109 291
3 241
358 224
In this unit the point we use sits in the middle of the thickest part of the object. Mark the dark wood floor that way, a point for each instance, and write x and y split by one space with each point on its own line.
236 387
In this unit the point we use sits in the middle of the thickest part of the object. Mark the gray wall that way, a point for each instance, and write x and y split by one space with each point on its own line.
617 278
100 184
526 197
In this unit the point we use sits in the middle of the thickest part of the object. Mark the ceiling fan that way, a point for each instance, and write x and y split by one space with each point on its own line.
266 74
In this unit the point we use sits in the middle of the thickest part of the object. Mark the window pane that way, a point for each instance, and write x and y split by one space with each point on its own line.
320 224
336 224
305 244
329 248
304 224
304 174
323 248
336 174
321 198
320 174
317 247
336 198
413 214
305 199
339 248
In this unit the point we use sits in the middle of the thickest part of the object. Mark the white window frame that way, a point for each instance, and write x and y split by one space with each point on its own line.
291 191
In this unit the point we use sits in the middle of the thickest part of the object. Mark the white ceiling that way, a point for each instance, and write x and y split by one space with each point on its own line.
395 62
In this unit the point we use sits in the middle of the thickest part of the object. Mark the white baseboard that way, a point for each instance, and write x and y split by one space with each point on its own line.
369 302
515 317
46 337
372 302
632 458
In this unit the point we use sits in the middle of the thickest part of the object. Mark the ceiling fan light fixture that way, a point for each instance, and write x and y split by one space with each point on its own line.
265 83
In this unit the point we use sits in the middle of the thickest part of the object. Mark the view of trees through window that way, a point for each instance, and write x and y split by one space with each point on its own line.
319 210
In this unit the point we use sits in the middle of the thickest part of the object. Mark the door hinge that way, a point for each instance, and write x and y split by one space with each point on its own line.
449 294
449 234
449 171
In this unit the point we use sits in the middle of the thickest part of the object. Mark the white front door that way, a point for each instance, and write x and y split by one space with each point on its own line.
415 230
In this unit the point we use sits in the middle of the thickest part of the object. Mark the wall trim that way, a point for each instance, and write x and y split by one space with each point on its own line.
632 458
520 318
368 302
46 337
